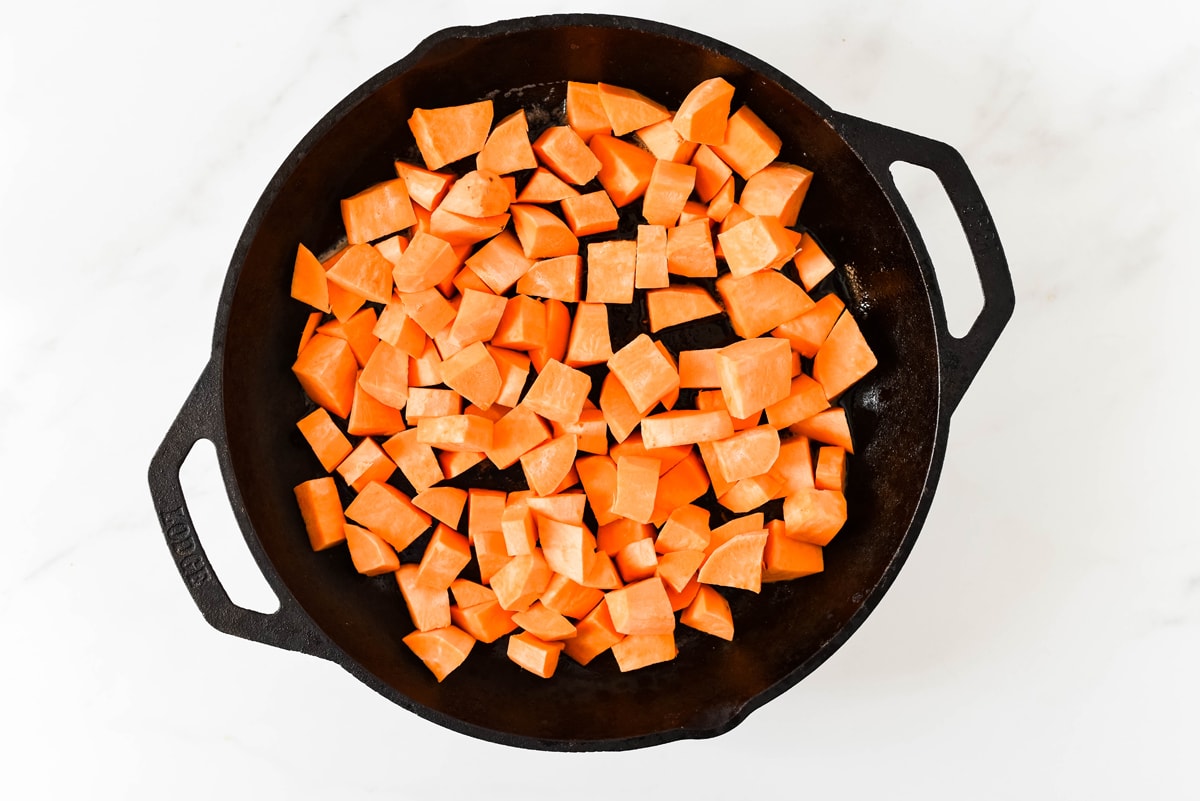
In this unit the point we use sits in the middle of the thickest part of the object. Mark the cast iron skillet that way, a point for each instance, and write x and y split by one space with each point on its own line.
246 400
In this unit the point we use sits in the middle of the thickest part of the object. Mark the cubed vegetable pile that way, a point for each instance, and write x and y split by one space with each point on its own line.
466 322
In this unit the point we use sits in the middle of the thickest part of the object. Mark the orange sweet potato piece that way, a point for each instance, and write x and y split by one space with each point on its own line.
589 342
321 510
425 187
521 580
500 262
545 187
522 326
444 504
794 466
814 515
363 271
805 399
431 311
650 270
467 593
594 635
462 230
558 393
507 148
641 608
843 358
533 654
645 372
698 369
603 573
416 460
665 143
761 301
567 155
430 402
690 250
558 278
479 193
722 202
624 168
807 331
369 553
592 213
389 513
472 373
751 493
830 473
685 427
442 650
514 371
558 332
811 262
327 370
777 190
515 434
585 112
642 650
310 327
829 426
323 436
426 262
785 558
569 598
711 173
460 432
478 317
679 304
366 463
445 135
519 528
396 328
702 115
613 536
736 563
568 548
370 417
667 457
610 271
637 485
544 623
677 568
749 145
377 211
429 607
755 373
709 612
637 560
445 556
598 474
308 280
685 529
486 621
670 186
747 453
547 465
542 235
627 110
759 243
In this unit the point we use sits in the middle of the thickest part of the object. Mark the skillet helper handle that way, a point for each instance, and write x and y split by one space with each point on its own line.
880 147
200 418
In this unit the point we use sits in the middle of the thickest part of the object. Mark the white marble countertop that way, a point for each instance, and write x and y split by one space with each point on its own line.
1043 639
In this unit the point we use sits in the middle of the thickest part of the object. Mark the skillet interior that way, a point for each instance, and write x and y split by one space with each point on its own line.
782 634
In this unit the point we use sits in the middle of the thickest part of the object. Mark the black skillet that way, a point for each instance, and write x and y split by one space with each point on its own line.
246 400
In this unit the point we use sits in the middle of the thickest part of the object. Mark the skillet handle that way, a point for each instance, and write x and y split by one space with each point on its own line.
200 418
880 147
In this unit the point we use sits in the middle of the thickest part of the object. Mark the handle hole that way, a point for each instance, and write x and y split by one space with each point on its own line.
962 293
218 529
